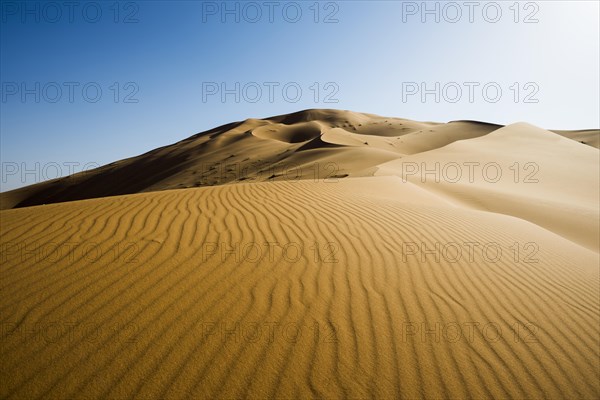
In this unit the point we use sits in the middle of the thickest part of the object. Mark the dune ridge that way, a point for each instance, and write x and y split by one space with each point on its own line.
264 149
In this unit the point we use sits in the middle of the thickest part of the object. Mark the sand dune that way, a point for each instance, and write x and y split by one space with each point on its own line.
277 148
256 150
347 281
518 170
363 280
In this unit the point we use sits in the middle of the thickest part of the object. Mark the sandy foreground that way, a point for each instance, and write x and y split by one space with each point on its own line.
322 254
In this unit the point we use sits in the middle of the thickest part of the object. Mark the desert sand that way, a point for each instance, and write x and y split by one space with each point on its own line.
320 254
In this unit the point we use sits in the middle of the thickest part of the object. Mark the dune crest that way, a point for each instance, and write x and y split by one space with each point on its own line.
250 150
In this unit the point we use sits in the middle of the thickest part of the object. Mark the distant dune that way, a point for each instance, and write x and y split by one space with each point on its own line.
335 255
284 147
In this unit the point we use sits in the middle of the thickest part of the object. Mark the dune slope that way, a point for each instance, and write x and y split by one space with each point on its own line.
296 289
519 170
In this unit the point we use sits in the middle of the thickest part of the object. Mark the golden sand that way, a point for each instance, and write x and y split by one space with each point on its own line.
384 284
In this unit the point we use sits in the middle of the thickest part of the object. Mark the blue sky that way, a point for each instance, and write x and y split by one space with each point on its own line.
161 66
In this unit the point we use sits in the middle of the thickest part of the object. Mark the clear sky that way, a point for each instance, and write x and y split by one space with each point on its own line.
88 83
